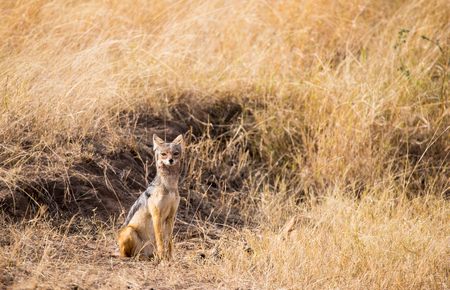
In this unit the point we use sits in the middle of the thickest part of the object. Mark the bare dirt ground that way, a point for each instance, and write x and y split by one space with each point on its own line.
107 181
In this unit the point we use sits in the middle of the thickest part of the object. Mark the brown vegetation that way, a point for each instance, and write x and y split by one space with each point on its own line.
318 141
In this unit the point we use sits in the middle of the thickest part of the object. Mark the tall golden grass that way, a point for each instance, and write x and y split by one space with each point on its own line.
344 156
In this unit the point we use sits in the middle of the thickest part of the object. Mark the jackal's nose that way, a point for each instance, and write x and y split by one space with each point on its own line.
170 161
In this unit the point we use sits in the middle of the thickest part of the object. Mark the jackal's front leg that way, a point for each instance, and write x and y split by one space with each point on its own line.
169 235
157 224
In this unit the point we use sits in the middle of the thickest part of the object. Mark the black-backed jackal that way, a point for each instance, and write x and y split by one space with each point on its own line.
150 221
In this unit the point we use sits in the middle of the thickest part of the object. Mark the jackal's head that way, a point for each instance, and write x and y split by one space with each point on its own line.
168 154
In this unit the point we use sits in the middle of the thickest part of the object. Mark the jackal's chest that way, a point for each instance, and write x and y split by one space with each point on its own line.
165 201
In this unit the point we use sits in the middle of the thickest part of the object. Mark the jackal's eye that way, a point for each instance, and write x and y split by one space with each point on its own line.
176 153
163 154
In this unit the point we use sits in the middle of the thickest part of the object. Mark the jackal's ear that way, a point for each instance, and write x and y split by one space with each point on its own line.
157 142
179 140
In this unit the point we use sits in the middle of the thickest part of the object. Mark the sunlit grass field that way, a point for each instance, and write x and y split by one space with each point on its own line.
319 141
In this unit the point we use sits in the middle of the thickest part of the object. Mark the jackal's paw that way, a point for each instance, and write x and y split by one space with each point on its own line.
158 257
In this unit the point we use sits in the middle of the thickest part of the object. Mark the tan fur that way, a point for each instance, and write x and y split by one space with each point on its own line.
129 241
150 226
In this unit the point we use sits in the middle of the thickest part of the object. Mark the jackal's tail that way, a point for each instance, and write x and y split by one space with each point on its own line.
128 241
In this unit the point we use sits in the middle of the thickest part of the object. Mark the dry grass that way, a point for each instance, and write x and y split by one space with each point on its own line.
382 243
334 174
373 243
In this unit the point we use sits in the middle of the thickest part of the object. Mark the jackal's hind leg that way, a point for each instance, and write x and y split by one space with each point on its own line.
128 241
